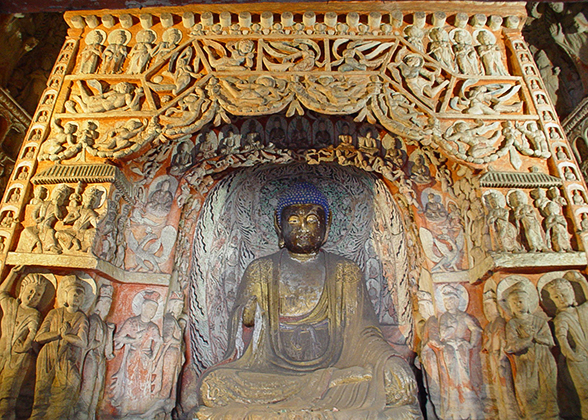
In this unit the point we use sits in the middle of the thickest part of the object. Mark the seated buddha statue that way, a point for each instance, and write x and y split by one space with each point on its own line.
316 350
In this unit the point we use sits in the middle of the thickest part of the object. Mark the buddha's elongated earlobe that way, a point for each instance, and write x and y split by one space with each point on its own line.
328 228
278 228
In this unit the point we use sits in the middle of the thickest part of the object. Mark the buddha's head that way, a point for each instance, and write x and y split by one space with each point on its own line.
104 301
31 290
74 293
425 302
561 293
302 219
60 194
175 306
490 305
149 306
91 198
518 301
451 298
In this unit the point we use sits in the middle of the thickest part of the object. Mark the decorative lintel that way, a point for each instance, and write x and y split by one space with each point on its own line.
88 173
519 180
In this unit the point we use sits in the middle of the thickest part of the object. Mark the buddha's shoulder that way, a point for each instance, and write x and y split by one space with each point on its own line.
339 260
263 263
343 265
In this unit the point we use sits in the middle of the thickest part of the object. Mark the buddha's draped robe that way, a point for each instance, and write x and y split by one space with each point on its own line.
350 371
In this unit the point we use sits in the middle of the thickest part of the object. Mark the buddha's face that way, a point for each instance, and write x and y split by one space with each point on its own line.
517 302
120 38
451 303
31 294
562 296
103 307
426 309
490 309
176 307
149 309
303 228
75 297
492 201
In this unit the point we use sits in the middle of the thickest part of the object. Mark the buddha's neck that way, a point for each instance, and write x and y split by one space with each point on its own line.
303 257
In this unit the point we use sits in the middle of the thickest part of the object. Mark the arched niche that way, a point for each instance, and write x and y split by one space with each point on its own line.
236 225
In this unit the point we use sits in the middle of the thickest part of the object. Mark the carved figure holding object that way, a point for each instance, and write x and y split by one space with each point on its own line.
490 54
440 49
499 374
556 229
414 35
100 348
115 53
170 40
64 337
140 340
92 52
571 326
20 321
528 341
466 56
142 51
170 358
430 348
504 232
459 338
41 237
526 221
80 236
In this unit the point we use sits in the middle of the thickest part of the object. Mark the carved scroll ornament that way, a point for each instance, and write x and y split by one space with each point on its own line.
178 81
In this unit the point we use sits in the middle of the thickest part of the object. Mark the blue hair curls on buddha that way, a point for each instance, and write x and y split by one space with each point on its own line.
301 193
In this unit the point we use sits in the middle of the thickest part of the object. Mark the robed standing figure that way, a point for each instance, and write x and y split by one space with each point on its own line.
316 349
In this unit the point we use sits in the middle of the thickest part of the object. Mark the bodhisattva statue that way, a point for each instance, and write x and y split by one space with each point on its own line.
100 348
64 337
316 349
20 321
528 341
571 330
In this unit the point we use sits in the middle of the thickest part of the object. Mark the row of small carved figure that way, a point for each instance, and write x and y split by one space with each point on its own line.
458 51
518 229
110 60
75 343
65 221
512 356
